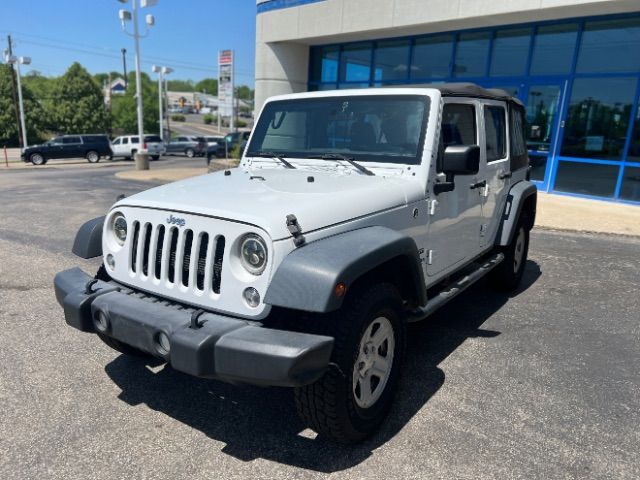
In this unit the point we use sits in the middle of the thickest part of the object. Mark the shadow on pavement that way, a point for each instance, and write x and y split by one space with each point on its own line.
261 423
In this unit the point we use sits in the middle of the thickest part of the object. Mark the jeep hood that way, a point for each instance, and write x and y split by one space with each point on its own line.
265 197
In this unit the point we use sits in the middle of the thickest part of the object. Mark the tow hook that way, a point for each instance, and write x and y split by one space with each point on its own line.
295 230
196 323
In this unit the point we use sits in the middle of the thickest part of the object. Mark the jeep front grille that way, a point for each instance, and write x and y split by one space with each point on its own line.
178 256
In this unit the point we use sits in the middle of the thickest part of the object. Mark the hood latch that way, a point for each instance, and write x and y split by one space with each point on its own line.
296 230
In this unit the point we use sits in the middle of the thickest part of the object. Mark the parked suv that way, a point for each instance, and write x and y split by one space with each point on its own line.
220 150
351 214
91 147
187 145
128 145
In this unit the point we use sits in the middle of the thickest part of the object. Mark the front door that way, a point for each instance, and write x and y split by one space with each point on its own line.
543 102
454 225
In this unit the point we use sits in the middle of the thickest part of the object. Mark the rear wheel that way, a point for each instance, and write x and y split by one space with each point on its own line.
508 274
37 159
93 156
355 394
190 152
155 157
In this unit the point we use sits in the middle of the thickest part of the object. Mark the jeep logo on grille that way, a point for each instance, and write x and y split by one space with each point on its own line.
176 221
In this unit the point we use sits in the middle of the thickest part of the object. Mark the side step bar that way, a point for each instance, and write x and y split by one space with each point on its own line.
451 291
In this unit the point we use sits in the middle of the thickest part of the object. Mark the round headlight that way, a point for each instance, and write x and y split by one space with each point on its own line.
119 228
253 254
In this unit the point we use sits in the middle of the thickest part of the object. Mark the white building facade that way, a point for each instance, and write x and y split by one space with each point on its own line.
574 63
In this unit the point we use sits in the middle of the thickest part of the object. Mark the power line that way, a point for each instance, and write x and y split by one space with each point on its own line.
110 53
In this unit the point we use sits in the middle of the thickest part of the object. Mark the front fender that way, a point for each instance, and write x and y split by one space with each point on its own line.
307 277
88 242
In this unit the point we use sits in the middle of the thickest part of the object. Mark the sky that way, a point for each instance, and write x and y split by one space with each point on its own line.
186 37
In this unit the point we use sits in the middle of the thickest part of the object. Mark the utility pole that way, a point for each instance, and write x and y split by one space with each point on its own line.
124 66
15 91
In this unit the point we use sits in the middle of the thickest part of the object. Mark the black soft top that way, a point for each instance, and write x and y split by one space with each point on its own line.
466 89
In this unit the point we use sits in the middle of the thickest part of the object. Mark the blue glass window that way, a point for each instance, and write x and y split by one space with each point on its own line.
553 49
587 178
510 52
324 64
431 57
471 54
356 62
610 46
633 155
630 189
598 117
391 60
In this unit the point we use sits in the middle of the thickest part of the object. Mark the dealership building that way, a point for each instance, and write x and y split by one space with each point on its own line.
574 63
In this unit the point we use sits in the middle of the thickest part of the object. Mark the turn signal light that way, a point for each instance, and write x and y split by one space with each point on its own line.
340 289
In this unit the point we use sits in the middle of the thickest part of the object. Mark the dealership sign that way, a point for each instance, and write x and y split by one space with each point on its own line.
225 82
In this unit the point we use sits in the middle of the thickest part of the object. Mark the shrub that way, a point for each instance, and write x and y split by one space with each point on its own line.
241 124
177 117
208 119
236 152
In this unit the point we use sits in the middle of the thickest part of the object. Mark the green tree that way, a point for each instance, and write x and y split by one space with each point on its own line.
244 92
207 85
79 103
42 88
180 85
9 135
123 108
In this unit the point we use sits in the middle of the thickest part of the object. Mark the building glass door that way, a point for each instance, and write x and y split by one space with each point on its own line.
544 103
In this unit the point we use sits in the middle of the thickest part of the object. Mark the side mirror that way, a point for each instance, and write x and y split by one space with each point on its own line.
457 160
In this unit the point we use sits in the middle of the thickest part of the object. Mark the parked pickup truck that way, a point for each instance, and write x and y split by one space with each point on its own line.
352 213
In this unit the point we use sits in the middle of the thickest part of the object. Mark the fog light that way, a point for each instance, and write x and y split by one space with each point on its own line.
251 296
102 322
111 262
164 347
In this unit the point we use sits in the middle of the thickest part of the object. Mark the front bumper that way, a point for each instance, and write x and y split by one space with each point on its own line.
221 347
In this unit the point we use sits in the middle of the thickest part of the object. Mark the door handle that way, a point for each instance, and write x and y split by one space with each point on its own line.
480 184
504 175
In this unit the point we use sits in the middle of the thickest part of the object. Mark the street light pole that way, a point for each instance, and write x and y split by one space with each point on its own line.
13 60
141 156
161 71
124 67
20 102
142 160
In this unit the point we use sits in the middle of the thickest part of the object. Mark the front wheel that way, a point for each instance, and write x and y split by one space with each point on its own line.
508 274
93 156
355 394
37 159
190 152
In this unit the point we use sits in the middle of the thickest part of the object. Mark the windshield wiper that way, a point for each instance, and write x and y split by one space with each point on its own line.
271 155
339 156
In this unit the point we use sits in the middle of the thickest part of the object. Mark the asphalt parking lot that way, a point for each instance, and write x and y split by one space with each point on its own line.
542 384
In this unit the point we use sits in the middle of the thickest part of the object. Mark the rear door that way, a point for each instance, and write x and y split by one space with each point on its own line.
72 147
454 225
494 167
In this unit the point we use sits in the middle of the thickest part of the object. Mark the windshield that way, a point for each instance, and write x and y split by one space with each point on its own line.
373 128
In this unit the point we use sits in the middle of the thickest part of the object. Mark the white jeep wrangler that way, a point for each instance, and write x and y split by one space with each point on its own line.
351 213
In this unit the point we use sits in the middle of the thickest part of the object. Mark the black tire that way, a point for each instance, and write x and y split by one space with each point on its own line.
190 152
37 159
331 405
508 274
92 156
155 157
123 347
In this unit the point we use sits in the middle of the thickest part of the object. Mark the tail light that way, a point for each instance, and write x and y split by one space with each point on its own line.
145 145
